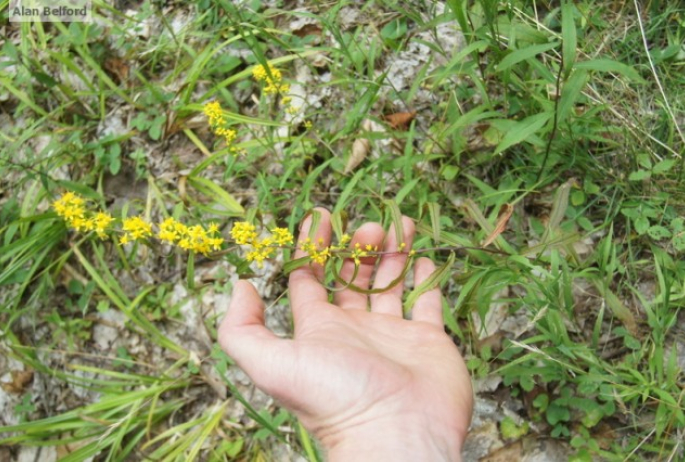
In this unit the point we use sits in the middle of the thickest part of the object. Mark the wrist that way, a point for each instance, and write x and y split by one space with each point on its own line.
395 439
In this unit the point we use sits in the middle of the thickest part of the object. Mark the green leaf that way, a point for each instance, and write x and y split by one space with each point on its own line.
339 223
511 431
292 265
434 280
209 189
639 175
115 165
608 65
517 56
396 218
568 36
578 198
556 413
570 92
522 130
664 166
641 224
658 232
395 29
434 213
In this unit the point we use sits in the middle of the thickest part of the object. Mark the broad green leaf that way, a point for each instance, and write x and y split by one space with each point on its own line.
608 65
517 56
641 224
657 232
571 91
568 36
522 130
664 166
639 175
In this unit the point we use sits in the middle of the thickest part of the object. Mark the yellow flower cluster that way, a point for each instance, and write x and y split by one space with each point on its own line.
244 233
320 254
272 79
317 252
71 208
359 252
214 113
215 116
273 85
135 228
195 238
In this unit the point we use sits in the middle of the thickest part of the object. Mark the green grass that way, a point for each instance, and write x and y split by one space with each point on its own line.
554 109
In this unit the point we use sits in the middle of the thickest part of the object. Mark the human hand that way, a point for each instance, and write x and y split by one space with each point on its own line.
369 385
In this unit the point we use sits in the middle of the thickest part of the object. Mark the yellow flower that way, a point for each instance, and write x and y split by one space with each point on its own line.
272 79
317 253
100 223
136 228
358 253
228 134
282 236
243 233
169 230
214 113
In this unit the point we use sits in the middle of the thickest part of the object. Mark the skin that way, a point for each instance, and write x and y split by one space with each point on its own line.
367 383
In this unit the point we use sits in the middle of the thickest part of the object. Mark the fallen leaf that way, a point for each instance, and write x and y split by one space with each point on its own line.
308 29
20 380
510 453
118 68
502 219
360 149
400 120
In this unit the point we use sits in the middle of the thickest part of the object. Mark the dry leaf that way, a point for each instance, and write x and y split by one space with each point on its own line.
360 149
118 68
400 120
20 380
308 29
509 453
502 219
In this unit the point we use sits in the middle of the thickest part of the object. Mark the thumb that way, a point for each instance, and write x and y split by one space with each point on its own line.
242 333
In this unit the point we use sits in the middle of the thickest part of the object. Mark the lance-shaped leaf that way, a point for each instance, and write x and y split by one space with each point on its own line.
434 214
292 265
502 219
355 288
434 280
396 217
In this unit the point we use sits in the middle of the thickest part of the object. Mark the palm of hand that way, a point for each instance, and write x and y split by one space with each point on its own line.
356 365
347 366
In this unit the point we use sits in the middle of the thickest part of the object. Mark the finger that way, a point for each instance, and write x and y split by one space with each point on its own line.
428 307
390 268
369 234
243 336
305 282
